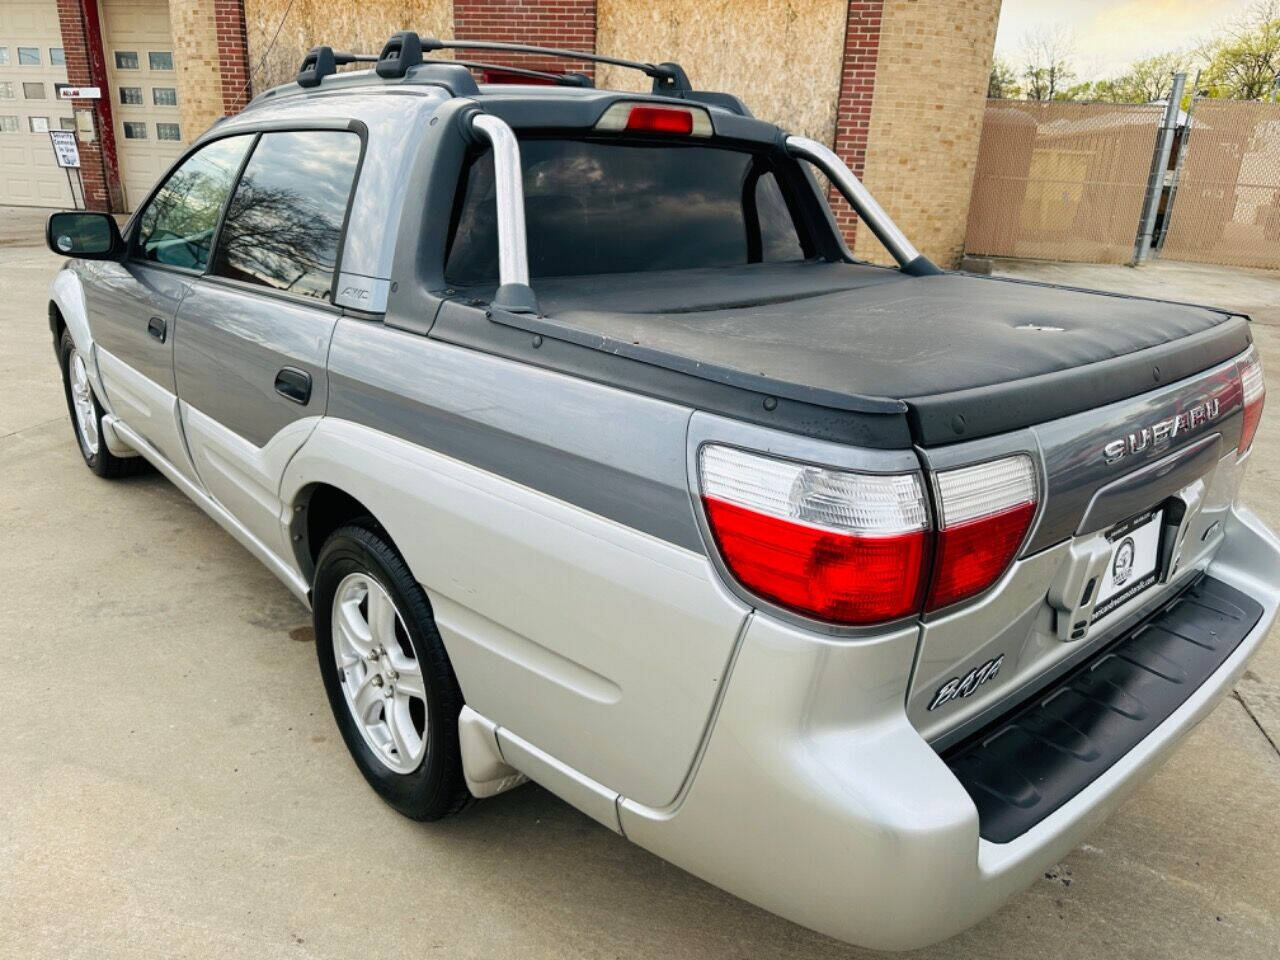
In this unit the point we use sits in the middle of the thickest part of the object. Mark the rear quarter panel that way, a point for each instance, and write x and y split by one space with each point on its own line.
549 521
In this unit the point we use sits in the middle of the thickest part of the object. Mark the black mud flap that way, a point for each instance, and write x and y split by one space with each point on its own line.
1029 763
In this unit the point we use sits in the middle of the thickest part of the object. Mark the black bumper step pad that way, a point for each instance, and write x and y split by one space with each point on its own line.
1029 763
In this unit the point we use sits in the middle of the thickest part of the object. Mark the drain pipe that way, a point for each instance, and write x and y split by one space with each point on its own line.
1160 164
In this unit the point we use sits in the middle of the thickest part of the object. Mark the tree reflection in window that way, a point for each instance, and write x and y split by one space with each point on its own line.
284 222
177 226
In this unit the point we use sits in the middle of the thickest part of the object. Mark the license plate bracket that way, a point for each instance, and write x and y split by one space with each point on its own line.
1134 564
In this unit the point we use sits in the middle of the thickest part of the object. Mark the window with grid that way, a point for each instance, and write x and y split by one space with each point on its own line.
168 131
135 130
164 96
160 60
38 124
126 60
8 124
6 89
130 95
4 56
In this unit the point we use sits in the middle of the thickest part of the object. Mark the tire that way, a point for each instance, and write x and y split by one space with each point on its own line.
379 700
86 417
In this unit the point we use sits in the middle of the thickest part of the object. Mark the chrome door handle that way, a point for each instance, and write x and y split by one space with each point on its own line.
294 384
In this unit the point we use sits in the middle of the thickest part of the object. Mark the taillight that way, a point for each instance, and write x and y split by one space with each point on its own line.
848 548
985 511
633 117
1255 392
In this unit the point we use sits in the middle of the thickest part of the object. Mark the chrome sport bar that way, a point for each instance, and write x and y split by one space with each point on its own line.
514 292
872 214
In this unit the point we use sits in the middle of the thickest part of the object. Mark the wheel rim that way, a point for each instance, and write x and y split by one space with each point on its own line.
379 672
82 402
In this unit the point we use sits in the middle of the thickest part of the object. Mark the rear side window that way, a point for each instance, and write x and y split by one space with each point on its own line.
284 223
177 226
613 207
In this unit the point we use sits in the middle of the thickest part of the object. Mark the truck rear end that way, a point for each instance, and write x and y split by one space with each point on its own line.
988 533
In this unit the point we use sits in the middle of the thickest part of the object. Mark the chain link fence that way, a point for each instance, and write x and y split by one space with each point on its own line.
1227 206
1061 181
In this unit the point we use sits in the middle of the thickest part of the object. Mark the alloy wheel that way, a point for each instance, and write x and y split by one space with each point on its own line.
379 671
82 402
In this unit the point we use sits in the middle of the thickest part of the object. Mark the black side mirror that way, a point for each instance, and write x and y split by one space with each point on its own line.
93 236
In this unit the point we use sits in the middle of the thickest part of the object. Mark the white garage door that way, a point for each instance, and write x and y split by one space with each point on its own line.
144 92
31 62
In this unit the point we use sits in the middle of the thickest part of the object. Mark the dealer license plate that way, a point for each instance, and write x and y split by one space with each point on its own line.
1132 568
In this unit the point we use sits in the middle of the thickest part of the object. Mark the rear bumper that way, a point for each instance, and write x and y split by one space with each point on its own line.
817 799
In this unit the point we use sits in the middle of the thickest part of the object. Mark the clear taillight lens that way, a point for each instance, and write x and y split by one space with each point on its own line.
848 548
1255 392
985 512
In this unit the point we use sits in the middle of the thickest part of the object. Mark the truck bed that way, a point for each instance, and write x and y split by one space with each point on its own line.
968 356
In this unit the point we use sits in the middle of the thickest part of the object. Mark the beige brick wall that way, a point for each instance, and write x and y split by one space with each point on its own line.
781 56
361 27
195 58
926 120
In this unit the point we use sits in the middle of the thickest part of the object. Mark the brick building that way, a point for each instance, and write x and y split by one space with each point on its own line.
897 86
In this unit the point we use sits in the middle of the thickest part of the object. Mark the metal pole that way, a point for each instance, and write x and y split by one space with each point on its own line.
1159 165
859 197
1177 166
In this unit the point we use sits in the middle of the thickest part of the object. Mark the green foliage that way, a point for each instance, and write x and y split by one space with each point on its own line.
1145 80
1003 83
1244 63
1241 62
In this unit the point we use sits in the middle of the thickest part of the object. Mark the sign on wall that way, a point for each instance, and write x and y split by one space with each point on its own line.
65 150
67 92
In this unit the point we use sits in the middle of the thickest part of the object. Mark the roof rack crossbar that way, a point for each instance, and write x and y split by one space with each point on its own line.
561 79
667 77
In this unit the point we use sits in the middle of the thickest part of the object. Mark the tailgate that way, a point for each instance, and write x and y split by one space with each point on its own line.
1123 525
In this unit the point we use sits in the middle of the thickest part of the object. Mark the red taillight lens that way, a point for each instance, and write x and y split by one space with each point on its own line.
660 120
498 75
842 547
972 556
985 512
1255 392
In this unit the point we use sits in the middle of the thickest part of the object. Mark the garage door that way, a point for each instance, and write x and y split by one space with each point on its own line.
144 92
31 62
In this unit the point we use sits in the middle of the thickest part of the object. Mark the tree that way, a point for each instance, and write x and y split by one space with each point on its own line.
1245 61
1047 68
1003 83
1145 80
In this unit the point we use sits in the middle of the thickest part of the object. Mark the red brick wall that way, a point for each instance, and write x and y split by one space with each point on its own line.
233 54
543 23
86 67
857 87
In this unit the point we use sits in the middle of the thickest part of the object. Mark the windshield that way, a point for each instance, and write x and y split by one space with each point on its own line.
615 207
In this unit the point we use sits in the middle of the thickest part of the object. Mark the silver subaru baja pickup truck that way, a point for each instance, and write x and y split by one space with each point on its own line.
863 593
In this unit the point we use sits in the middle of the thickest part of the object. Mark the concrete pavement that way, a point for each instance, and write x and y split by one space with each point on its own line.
172 785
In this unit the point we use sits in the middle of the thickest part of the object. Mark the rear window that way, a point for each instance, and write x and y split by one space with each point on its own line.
610 207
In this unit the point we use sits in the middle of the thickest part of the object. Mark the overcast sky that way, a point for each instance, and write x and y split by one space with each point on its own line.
1110 34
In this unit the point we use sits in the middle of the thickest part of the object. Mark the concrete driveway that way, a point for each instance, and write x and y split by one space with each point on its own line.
172 785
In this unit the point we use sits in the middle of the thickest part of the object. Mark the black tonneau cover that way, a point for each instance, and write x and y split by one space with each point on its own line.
970 356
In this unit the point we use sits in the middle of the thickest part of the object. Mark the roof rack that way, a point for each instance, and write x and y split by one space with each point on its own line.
405 49
668 78
320 62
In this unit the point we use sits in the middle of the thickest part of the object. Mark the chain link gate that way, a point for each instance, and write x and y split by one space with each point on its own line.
1227 206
